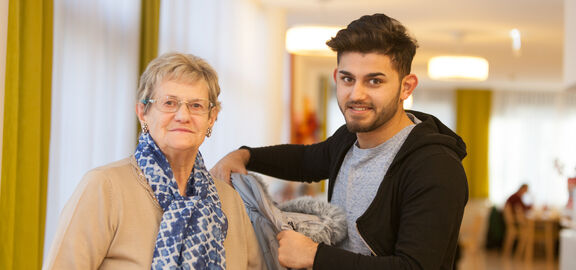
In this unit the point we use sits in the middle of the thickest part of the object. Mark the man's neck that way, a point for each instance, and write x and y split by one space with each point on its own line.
385 132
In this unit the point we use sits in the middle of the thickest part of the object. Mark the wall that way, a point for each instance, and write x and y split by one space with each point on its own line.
244 42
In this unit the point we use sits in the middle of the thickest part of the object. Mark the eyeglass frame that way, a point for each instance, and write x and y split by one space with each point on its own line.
180 102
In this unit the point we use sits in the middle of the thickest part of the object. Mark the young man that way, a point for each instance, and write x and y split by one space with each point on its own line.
397 174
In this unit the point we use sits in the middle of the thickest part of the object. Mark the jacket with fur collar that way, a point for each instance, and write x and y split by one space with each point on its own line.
319 220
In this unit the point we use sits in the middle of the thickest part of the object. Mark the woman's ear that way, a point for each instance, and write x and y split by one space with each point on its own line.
213 116
140 112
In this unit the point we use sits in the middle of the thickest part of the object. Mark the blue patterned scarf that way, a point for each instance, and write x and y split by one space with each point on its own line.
193 228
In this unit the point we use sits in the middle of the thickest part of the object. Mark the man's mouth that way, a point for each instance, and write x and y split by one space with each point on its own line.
359 107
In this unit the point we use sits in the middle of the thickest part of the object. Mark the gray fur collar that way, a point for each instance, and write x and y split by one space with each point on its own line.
317 219
331 226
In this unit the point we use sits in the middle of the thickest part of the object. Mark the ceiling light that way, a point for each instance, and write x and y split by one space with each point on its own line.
458 68
310 40
516 41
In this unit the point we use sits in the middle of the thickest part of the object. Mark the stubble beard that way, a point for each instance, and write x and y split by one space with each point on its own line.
381 119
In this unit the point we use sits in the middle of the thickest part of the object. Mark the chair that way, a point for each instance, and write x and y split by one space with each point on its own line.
513 232
470 236
473 234
524 228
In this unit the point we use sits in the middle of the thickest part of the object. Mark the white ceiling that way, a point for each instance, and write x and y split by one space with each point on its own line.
483 25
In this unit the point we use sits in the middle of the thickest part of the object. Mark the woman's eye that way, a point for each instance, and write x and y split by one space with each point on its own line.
170 103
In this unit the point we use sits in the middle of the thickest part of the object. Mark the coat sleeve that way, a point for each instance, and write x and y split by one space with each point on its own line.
303 163
242 248
255 260
86 226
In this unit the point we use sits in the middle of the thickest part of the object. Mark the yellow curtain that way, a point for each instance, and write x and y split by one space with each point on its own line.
26 133
149 26
472 124
149 29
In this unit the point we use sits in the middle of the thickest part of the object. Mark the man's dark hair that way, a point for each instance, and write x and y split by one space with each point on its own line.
377 33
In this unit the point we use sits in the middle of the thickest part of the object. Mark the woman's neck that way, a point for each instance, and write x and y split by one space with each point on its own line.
182 165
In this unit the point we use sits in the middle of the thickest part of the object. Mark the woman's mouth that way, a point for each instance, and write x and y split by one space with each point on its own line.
181 130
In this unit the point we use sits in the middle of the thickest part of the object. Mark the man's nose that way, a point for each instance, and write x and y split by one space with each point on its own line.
358 92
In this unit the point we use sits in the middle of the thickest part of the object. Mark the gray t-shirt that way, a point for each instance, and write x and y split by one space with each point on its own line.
359 177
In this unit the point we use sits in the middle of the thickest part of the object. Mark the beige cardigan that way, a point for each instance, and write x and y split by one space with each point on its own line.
111 222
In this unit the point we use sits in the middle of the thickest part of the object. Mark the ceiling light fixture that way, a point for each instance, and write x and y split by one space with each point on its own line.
310 40
516 41
452 68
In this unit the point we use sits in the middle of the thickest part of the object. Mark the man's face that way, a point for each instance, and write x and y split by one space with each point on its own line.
368 90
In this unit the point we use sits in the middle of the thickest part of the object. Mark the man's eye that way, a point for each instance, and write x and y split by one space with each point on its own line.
347 79
375 81
197 105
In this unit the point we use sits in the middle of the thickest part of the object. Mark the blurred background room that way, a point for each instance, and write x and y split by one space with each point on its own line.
69 71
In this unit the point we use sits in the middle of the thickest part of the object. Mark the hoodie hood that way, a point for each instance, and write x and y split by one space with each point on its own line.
431 132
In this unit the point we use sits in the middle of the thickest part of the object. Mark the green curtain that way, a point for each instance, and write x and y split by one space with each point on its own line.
149 25
26 133
472 124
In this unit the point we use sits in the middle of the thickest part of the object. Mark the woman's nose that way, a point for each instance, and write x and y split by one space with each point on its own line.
183 113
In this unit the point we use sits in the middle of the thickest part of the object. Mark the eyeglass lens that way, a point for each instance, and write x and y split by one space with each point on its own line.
172 104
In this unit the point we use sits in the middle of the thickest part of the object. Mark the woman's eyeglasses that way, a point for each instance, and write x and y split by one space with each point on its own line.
171 104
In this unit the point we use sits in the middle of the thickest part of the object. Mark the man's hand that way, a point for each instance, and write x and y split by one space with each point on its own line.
295 250
234 162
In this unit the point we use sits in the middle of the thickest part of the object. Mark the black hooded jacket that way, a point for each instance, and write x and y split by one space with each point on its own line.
414 220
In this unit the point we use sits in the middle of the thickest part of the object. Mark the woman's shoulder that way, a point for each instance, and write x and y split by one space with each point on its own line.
114 173
121 180
122 164
100 183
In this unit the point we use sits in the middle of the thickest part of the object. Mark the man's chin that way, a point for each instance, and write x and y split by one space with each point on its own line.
358 128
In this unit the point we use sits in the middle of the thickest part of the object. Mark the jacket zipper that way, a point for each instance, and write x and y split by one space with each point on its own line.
365 243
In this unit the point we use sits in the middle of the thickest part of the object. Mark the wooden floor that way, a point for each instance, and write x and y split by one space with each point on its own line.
492 260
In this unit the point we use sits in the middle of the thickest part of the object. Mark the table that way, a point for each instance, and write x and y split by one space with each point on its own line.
543 226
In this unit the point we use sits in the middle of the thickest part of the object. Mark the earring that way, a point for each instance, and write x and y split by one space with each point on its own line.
145 128
209 132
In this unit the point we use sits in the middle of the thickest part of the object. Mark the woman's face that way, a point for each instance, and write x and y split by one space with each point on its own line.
180 131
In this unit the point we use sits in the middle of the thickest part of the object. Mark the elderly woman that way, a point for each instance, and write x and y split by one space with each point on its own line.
160 208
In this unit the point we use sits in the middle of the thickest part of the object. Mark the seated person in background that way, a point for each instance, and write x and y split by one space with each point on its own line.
160 207
515 200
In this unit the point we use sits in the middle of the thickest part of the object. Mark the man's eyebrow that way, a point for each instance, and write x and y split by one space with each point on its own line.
344 72
376 74
370 75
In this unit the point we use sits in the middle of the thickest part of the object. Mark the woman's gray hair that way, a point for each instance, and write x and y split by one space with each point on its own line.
178 67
